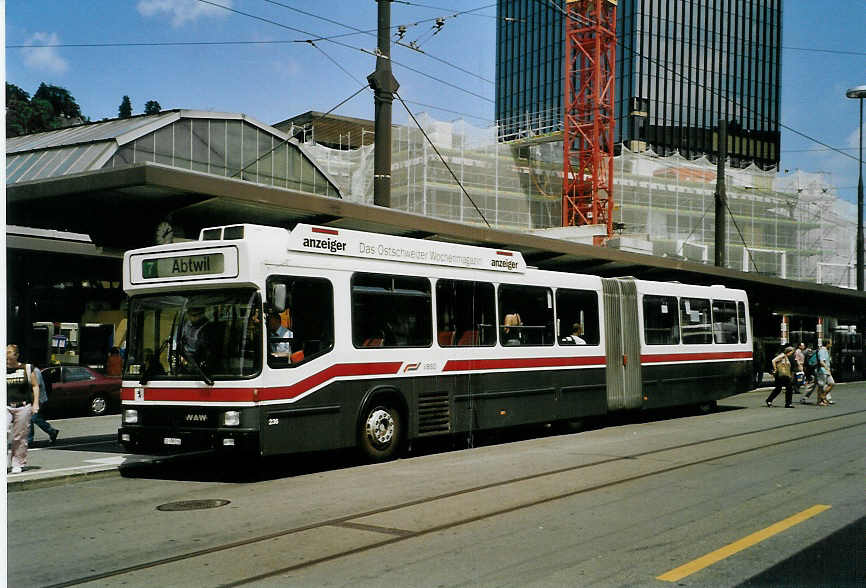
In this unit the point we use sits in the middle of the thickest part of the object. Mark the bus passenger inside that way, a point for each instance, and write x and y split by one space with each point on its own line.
512 329
576 337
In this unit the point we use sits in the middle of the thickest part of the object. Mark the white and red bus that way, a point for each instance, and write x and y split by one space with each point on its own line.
264 340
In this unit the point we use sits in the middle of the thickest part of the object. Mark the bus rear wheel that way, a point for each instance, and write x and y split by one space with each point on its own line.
381 431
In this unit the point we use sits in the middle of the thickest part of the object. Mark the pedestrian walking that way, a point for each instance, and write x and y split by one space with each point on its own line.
782 374
824 378
37 420
809 368
799 367
22 400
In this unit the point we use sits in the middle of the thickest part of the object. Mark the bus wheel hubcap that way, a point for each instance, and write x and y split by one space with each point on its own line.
380 427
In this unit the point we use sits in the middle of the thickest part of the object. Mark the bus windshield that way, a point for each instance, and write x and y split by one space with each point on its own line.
195 335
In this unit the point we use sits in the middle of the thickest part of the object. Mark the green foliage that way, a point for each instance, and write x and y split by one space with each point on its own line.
61 100
152 107
51 107
125 109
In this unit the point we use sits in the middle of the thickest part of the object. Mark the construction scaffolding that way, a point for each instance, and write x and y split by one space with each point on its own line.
792 226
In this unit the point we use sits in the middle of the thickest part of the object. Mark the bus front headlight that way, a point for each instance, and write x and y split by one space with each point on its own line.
130 416
232 418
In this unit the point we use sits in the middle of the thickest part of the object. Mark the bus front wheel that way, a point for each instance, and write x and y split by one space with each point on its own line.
381 431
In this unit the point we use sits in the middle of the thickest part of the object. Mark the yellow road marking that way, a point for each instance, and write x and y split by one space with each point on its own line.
709 559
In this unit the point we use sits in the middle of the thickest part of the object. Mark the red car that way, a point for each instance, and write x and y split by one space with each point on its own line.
73 389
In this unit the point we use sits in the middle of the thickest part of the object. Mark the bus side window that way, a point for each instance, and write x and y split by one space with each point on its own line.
661 320
305 329
725 321
577 308
391 311
525 315
696 321
741 321
465 315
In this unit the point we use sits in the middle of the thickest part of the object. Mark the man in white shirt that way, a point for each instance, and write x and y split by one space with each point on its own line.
279 343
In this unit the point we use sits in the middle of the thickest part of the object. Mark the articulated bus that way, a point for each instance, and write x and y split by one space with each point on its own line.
269 341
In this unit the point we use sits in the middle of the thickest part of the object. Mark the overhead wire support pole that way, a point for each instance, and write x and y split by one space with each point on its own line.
590 54
721 196
384 85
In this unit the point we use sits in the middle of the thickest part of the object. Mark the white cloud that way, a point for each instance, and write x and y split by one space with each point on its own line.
182 11
854 138
45 58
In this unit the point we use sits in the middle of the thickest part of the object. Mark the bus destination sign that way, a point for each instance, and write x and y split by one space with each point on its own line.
187 265
350 243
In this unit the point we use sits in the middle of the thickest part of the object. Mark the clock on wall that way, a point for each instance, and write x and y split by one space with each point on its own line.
164 233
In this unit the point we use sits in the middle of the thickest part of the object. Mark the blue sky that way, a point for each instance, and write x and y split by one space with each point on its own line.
282 76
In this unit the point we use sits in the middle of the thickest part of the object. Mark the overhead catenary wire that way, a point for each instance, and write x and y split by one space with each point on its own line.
262 156
444 162
346 45
439 21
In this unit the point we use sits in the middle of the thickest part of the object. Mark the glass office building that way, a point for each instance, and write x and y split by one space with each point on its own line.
681 67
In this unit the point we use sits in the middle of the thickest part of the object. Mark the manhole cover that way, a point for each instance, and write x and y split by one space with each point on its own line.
193 504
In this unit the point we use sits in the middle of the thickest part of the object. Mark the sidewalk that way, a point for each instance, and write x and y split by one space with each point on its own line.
86 447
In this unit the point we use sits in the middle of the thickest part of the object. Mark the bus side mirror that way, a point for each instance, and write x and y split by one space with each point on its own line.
277 297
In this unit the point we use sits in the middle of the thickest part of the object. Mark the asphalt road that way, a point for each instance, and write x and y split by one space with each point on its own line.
745 496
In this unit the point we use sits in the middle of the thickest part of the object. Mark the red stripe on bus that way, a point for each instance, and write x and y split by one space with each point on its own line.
325 231
192 394
459 365
388 368
340 370
261 393
662 357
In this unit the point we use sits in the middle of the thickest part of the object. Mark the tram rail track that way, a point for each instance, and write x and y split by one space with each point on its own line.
391 535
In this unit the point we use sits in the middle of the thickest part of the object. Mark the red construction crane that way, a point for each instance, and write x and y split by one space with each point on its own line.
590 51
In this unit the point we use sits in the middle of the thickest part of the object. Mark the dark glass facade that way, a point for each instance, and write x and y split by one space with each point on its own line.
529 45
681 67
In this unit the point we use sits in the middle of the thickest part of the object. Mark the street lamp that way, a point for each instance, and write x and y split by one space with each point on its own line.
859 92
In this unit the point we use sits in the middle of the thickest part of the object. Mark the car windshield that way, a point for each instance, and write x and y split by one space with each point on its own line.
199 335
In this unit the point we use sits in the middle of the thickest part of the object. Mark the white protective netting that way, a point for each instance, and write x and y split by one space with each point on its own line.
792 226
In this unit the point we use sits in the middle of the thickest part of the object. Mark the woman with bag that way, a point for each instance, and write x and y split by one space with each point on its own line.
782 372
22 400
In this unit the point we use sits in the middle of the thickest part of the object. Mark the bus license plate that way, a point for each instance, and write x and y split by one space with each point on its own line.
171 441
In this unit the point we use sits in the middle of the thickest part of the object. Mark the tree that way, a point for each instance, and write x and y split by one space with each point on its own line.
125 110
61 100
18 111
152 107
50 108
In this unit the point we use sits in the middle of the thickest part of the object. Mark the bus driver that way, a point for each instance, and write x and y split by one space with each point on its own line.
278 336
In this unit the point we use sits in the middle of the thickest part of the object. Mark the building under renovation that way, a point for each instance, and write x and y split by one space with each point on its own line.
792 226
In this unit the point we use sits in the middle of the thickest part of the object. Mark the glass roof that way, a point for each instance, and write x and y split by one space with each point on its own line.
86 133
228 145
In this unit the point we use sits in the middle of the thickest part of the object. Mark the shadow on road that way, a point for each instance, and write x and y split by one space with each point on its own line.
214 467
837 560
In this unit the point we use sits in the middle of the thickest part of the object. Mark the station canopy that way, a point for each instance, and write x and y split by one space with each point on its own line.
222 144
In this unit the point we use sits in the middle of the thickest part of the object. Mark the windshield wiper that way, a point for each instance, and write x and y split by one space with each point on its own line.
148 369
207 379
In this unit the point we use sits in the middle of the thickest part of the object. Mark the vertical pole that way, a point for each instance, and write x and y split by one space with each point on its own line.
860 207
384 85
721 196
